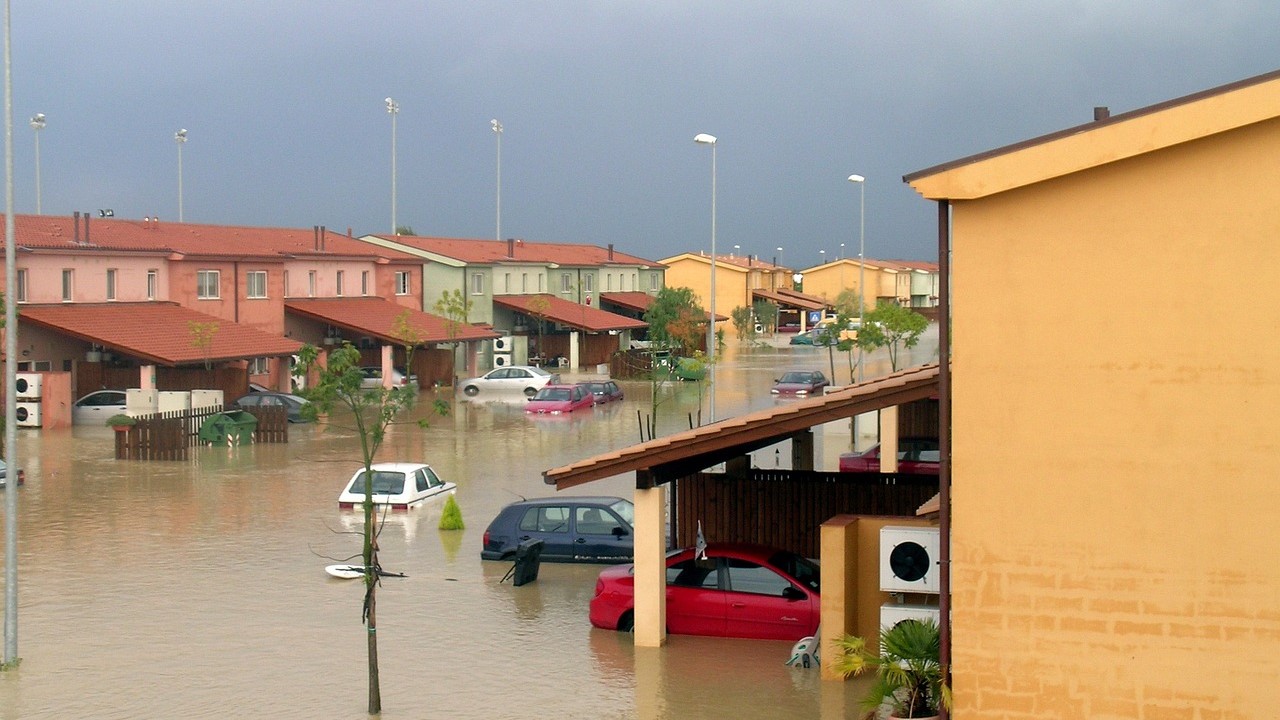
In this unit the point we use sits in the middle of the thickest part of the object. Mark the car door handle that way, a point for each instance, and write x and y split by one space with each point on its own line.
523 538
738 605
581 541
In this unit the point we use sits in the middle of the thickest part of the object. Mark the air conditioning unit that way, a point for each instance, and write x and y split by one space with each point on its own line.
28 414
909 559
759 328
504 344
501 359
173 401
29 385
893 613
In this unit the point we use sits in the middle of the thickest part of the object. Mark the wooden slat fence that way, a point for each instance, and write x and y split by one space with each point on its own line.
171 435
786 508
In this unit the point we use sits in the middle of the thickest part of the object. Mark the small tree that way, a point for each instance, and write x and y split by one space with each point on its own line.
538 308
675 320
891 325
372 411
767 315
202 337
744 322
455 307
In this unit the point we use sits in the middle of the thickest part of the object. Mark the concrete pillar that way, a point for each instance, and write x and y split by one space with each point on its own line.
388 363
573 350
838 553
147 377
802 451
651 567
284 374
889 439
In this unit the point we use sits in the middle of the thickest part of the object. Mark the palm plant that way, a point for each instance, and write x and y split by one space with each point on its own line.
910 679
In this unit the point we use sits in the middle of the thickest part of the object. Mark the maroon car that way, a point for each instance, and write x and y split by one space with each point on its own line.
800 382
916 456
559 399
737 590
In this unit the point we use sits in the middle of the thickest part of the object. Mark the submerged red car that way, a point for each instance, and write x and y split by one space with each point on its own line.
917 456
738 590
558 399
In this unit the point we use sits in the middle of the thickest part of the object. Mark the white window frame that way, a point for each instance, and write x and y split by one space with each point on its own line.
311 283
255 284
153 283
260 366
364 282
566 283
68 284
402 283
588 283
203 280
111 283
338 282
21 289
477 283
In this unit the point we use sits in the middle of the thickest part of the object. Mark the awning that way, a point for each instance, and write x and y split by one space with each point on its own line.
568 313
378 318
790 298
675 456
156 332
637 301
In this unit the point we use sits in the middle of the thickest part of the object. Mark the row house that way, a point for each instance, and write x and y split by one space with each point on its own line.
741 280
543 299
909 283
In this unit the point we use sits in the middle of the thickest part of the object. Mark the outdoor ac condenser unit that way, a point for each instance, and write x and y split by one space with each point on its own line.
909 559
28 414
501 359
504 344
893 613
28 385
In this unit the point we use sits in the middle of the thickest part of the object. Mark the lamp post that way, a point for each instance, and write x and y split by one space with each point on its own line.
862 293
37 124
497 131
393 109
705 139
180 138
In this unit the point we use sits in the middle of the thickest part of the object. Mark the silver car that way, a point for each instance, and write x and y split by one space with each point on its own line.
97 406
513 378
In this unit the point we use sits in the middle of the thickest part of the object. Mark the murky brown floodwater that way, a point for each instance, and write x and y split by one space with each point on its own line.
196 589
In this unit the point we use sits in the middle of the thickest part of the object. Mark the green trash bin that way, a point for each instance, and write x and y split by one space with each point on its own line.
233 427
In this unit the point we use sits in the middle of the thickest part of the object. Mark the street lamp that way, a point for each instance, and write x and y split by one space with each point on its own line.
497 131
393 109
822 257
779 257
862 224
37 124
180 138
705 139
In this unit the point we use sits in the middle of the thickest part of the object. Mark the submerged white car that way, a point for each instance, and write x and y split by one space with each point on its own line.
527 379
399 486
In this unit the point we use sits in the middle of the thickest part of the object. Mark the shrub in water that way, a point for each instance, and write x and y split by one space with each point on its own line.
451 516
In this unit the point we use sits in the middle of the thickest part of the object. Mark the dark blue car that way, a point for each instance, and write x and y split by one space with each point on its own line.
572 529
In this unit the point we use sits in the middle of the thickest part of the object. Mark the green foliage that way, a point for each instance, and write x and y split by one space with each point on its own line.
120 420
909 676
202 337
767 314
455 307
404 230
451 516
893 326
744 322
675 318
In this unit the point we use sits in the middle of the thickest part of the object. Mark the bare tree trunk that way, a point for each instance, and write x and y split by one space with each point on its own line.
375 692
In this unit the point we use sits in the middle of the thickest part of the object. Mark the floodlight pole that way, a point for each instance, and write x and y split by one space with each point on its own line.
862 292
497 131
10 371
180 138
37 124
393 109
705 139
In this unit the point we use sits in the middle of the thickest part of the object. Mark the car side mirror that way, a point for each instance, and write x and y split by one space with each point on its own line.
791 592
619 531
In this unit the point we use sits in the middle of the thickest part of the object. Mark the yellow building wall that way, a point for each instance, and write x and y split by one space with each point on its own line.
695 274
1116 427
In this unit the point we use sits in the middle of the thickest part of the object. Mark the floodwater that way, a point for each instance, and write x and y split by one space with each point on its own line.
196 589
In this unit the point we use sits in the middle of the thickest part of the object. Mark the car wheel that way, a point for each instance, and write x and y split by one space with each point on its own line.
471 390
530 392
627 623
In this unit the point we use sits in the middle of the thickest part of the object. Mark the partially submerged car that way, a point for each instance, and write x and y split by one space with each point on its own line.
916 456
800 382
572 529
559 399
603 391
519 378
399 486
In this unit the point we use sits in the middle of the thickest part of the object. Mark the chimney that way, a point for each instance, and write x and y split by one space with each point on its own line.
348 232
315 237
511 247
77 234
86 228
1101 113
610 252
322 233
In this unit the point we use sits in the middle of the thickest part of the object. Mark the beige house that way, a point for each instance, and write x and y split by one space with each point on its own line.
737 276
1112 498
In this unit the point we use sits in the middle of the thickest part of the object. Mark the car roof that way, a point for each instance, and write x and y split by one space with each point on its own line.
562 499
396 467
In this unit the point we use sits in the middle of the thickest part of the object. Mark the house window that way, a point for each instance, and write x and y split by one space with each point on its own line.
207 284
477 283
540 278
338 283
564 283
255 284
22 285
68 277
608 283
285 282
364 282
653 282
402 283
588 283
111 283
311 283
524 282
260 366
153 283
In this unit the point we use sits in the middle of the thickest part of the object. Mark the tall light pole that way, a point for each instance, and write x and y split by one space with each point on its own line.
497 132
705 139
862 292
180 138
10 369
37 124
393 109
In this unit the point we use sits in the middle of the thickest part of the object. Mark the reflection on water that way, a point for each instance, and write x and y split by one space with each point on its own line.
196 589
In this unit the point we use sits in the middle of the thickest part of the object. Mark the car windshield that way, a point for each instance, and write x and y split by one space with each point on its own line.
626 510
795 377
799 568
553 394
384 483
538 371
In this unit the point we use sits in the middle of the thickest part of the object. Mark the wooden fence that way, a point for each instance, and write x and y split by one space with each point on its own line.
785 508
171 435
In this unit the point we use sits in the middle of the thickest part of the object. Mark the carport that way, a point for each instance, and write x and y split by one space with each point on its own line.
659 462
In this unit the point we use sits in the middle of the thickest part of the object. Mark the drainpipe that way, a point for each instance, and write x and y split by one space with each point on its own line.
944 440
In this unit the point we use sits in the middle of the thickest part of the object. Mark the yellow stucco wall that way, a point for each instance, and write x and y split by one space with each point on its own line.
1116 426
695 274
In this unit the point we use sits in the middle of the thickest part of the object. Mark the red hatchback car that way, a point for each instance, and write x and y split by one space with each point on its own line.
739 590
916 456
558 399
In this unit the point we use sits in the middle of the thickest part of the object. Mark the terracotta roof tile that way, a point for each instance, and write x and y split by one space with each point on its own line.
571 313
638 301
487 252
157 332
376 317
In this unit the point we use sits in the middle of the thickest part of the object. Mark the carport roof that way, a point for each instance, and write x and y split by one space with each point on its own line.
675 456
377 317
792 299
570 313
636 300
156 332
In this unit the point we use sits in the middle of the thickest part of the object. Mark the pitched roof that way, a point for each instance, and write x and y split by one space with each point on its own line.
739 263
678 455
490 252
569 313
638 301
157 332
789 300
377 317
82 234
